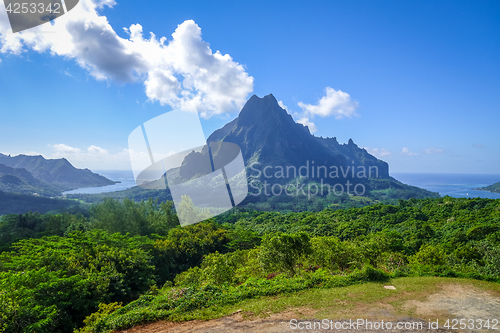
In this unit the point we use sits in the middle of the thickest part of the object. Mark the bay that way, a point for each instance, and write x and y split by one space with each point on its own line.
453 185
125 177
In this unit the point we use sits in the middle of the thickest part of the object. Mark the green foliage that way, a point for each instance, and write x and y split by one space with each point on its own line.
135 218
190 213
429 255
35 225
219 269
50 284
334 255
283 251
142 218
15 203
243 239
176 302
489 264
184 248
104 310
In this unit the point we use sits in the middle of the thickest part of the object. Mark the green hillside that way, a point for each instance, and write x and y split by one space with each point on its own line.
156 270
495 188
15 203
19 180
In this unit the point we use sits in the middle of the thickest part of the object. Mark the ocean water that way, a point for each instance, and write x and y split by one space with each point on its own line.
125 177
454 185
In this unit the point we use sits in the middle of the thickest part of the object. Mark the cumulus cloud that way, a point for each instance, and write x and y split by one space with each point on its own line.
378 152
95 157
301 118
182 72
309 124
433 150
335 103
61 148
97 150
406 152
283 106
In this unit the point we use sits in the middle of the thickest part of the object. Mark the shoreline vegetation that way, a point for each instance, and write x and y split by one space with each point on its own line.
121 263
495 188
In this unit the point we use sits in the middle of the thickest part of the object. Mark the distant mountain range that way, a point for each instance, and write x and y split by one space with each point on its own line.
47 177
272 143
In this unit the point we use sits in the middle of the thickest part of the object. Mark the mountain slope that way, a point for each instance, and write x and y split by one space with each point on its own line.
56 171
15 203
22 181
268 135
351 152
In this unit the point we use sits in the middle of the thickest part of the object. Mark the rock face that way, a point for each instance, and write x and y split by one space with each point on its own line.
268 136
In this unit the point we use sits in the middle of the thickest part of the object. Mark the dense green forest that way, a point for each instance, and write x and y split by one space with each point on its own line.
121 263
17 203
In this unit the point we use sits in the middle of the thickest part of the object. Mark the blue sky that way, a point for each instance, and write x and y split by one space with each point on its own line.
422 77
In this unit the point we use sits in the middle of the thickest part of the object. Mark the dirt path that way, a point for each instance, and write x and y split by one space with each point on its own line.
452 300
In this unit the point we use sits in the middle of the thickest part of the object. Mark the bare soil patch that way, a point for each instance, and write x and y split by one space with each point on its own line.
452 300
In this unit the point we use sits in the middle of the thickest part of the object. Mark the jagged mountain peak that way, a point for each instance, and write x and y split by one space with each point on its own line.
268 135
266 109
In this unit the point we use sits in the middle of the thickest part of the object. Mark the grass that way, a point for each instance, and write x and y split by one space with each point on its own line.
340 303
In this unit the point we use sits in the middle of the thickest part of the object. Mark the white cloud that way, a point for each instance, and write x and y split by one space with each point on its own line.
61 148
283 106
405 151
378 152
93 157
335 103
302 119
309 124
433 150
478 145
97 158
182 73
97 150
